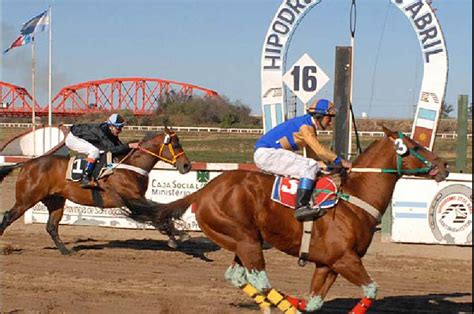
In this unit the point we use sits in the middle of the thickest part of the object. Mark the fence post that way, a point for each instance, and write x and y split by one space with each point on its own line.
461 143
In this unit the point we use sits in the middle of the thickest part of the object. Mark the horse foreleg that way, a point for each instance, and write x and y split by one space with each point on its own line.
350 267
55 207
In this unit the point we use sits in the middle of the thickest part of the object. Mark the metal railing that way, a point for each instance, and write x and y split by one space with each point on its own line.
229 130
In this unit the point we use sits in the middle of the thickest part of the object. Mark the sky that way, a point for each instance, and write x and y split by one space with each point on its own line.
217 44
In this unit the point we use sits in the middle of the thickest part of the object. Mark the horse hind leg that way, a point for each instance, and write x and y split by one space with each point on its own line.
13 214
55 207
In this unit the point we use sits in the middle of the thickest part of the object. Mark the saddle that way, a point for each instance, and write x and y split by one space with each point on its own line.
77 165
325 193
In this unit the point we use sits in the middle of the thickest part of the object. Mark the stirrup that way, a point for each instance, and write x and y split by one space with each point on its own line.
307 213
88 184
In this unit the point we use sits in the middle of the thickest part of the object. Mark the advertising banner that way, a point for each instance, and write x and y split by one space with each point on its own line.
441 213
164 186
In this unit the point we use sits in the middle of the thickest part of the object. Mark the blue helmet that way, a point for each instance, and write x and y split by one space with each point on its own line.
322 107
116 120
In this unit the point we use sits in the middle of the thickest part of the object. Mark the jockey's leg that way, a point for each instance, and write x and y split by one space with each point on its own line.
350 267
84 147
304 211
55 207
87 181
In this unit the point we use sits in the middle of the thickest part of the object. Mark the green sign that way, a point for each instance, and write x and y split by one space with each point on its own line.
202 176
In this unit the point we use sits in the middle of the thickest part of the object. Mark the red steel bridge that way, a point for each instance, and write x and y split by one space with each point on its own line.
142 96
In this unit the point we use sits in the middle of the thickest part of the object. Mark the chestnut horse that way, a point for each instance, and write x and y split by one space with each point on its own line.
235 211
43 179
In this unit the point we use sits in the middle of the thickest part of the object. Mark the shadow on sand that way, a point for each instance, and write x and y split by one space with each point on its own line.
430 303
196 247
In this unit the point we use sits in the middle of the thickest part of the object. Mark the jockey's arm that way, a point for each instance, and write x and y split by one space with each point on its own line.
309 136
120 149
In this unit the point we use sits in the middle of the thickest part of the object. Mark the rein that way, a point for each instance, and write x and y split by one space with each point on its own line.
166 143
402 150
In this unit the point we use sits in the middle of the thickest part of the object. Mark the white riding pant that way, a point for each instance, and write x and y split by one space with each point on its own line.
82 146
285 163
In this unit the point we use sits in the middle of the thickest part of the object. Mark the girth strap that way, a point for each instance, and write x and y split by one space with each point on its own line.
374 212
131 168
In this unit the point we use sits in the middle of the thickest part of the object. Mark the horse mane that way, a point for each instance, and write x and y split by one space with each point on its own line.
367 152
149 135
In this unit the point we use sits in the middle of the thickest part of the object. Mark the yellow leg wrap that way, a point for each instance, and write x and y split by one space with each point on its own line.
256 295
280 302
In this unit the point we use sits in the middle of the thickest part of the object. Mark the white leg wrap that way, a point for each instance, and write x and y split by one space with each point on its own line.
259 279
370 291
236 275
314 303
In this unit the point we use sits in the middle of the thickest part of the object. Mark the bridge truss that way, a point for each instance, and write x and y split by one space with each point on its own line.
142 96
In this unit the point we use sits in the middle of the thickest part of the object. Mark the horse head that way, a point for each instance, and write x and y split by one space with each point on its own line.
166 147
413 158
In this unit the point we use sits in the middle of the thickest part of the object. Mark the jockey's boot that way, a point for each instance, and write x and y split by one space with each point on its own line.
304 211
87 182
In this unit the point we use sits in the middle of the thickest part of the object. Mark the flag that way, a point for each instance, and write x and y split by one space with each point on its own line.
20 41
37 24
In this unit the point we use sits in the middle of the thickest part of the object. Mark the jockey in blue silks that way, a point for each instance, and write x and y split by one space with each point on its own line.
275 153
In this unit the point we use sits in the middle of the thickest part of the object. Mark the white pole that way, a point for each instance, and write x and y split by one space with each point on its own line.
50 112
33 112
352 26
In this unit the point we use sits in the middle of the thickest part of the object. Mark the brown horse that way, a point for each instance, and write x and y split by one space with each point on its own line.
235 211
43 179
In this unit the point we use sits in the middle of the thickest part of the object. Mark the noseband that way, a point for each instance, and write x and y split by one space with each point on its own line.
166 144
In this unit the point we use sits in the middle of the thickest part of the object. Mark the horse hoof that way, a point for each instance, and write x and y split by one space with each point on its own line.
184 237
65 252
172 244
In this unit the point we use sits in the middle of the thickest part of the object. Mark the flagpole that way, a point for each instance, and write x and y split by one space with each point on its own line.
33 113
50 112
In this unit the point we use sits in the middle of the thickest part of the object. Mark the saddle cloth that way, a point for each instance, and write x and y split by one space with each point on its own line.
324 194
77 165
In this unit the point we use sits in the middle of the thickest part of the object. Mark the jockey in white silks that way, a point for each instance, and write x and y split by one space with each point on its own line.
92 138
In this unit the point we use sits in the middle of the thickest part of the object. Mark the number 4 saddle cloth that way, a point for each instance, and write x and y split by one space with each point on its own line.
324 194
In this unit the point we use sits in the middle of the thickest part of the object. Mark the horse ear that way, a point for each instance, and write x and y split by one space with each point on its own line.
389 133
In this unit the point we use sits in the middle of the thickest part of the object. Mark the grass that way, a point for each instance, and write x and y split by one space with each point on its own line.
238 148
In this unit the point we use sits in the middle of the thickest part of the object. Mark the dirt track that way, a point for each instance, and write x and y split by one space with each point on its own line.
133 271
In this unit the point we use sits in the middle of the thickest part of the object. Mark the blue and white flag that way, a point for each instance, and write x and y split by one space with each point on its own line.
37 24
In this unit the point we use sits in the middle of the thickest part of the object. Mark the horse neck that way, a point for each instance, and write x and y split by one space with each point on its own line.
141 160
374 188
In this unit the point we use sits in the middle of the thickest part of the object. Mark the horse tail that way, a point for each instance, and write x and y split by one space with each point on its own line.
146 211
5 170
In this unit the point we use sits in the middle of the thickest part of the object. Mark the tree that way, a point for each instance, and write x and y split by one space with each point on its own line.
446 109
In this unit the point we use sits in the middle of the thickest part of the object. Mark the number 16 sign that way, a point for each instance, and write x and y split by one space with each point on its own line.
305 78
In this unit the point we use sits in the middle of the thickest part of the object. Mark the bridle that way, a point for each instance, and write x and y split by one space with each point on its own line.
403 151
166 144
